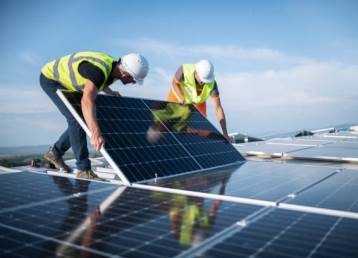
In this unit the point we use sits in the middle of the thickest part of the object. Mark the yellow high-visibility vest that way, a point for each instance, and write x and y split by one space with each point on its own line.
65 69
188 86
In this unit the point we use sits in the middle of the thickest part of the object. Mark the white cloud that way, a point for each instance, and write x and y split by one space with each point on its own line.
313 84
17 99
30 58
172 50
304 96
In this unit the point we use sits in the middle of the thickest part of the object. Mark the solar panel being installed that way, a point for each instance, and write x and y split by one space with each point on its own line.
148 139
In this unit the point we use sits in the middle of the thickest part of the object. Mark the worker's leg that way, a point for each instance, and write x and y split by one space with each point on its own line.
74 136
79 144
62 144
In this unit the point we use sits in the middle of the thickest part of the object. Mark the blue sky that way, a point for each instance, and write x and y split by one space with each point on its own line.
280 65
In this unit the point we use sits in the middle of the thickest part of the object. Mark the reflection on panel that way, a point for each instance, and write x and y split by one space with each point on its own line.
25 188
260 180
123 221
202 140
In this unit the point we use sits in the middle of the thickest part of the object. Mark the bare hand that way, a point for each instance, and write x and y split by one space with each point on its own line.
97 141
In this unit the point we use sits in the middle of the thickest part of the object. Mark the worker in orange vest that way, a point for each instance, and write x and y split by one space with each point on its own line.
194 84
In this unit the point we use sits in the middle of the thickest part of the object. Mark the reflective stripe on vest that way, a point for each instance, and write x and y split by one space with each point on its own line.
188 86
66 71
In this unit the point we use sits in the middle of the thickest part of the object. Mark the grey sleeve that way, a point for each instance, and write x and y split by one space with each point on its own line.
215 91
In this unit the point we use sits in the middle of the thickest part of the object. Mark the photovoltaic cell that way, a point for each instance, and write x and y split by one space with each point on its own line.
150 139
291 234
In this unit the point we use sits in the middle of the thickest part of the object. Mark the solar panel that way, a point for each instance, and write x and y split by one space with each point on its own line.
338 192
291 234
338 151
103 220
148 139
24 188
120 221
266 149
270 181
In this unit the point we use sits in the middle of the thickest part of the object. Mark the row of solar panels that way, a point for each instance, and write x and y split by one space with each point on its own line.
340 146
72 218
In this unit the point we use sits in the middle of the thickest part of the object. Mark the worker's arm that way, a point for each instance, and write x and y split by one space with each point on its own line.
111 92
88 105
220 115
177 91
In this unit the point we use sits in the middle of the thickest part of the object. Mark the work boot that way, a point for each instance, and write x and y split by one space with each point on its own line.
57 162
87 174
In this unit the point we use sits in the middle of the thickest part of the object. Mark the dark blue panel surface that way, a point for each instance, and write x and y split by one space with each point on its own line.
292 234
255 179
24 188
149 139
136 223
18 243
338 192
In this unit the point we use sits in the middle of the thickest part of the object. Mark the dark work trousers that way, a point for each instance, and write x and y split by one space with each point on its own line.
74 136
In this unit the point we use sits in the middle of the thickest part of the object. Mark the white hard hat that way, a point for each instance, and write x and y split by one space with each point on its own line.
136 65
205 71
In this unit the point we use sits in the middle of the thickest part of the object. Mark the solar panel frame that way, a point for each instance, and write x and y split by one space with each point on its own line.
106 152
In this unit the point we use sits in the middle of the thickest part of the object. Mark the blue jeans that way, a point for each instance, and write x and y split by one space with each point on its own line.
74 136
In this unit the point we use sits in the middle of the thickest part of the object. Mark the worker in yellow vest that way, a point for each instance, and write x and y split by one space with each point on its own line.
89 73
194 84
